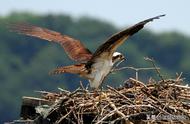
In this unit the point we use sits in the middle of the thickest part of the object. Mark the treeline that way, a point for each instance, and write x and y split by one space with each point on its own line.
25 61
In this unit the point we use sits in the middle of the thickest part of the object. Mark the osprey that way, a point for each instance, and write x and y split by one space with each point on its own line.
92 66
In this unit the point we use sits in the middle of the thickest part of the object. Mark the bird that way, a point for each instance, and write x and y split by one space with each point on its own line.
92 66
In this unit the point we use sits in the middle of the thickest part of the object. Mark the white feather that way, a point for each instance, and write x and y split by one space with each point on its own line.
100 69
116 54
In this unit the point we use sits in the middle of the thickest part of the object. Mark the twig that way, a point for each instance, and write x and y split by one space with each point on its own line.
137 81
135 69
61 119
82 87
62 90
119 62
157 70
179 76
111 88
110 114
180 86
116 110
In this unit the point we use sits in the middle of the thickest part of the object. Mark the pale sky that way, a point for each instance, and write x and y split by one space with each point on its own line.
121 13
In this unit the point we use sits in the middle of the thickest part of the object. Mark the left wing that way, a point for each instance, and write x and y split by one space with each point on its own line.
74 48
108 48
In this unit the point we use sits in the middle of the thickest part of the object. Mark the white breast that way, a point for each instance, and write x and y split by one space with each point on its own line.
100 69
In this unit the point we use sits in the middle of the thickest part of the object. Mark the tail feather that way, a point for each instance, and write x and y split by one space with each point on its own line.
57 71
73 69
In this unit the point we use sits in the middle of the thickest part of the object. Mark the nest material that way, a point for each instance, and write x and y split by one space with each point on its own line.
135 102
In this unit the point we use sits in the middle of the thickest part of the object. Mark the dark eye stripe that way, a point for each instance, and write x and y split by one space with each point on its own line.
115 57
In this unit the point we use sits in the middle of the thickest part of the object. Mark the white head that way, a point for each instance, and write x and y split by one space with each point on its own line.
117 57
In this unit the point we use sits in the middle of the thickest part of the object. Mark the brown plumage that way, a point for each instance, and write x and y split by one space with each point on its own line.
73 69
79 52
117 39
95 67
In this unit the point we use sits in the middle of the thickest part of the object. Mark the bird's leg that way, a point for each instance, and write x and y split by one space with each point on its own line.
87 86
100 98
96 92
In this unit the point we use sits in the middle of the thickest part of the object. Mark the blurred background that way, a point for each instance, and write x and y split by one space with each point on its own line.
25 61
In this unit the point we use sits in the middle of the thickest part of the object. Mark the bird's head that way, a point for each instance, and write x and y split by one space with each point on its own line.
117 57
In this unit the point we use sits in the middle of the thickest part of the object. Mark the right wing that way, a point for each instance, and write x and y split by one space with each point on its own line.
74 48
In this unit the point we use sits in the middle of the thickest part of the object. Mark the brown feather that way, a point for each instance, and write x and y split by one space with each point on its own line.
74 48
117 39
73 69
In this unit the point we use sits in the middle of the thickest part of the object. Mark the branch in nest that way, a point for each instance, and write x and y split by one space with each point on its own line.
154 65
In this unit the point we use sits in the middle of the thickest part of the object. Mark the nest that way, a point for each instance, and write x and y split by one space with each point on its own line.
135 102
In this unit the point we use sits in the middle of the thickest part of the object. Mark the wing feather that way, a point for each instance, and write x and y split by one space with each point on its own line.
117 39
74 48
73 69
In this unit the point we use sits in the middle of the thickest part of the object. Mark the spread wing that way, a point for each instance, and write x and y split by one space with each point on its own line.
74 48
108 48
73 69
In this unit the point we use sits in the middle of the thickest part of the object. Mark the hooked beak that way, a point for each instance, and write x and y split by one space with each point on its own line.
123 59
